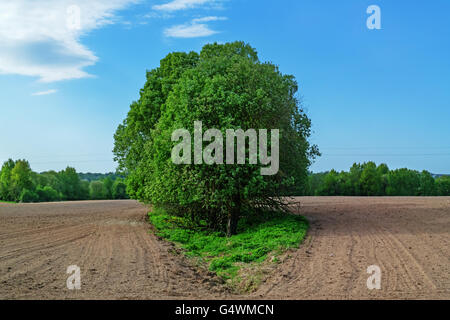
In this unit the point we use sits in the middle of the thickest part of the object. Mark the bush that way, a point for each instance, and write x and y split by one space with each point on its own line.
28 196
47 194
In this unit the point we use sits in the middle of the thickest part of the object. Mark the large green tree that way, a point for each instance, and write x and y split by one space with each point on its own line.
224 87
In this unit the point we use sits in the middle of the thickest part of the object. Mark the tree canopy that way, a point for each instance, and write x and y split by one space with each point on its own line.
224 87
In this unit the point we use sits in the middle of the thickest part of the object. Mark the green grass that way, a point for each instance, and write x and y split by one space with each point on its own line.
258 236
4 201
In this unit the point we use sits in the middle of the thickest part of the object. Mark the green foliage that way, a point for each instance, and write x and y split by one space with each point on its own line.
315 180
119 189
427 184
19 183
225 87
15 177
98 176
5 180
443 186
330 185
28 196
71 184
107 188
20 179
403 182
84 190
47 194
259 235
369 180
96 190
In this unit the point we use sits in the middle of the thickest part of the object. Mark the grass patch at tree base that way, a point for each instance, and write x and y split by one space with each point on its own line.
240 259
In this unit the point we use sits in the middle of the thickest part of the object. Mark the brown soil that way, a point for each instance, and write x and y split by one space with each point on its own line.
110 241
408 238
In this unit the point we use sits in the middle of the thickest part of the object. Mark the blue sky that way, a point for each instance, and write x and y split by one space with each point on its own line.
381 95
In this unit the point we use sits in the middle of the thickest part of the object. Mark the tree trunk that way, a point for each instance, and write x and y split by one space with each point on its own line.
233 216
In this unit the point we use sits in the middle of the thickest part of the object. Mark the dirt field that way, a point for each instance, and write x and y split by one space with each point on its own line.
408 238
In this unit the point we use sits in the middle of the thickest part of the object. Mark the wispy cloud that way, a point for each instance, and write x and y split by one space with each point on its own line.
44 93
195 29
176 5
208 19
42 38
189 31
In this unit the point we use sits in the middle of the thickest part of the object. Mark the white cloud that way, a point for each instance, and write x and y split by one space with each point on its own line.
42 38
176 5
208 19
44 93
193 30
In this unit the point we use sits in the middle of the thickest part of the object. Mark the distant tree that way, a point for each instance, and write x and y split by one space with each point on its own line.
5 180
330 185
98 176
96 190
70 184
119 190
84 190
371 181
443 185
368 179
403 182
315 181
52 179
20 179
427 186
345 185
107 188
19 183
47 194
355 179
28 196
383 171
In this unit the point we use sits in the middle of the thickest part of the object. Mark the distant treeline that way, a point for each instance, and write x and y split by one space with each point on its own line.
368 179
18 183
99 176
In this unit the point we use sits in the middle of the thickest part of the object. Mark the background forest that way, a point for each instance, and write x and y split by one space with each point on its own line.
18 183
368 179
